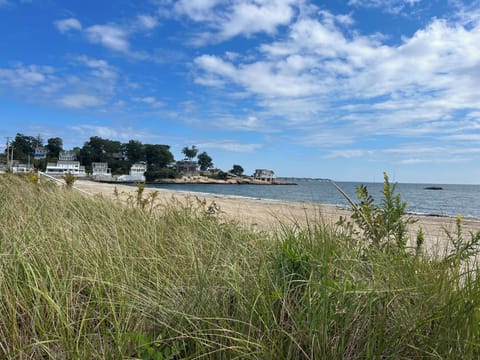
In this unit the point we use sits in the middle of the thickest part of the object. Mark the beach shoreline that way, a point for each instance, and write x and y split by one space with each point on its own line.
267 214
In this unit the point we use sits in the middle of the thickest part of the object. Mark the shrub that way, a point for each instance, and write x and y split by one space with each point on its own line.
165 173
383 225
221 175
69 179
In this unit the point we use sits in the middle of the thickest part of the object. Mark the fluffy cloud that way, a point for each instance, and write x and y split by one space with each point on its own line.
25 76
68 24
391 6
227 19
150 100
231 146
80 101
102 131
357 82
110 36
326 86
100 68
147 22
198 10
84 82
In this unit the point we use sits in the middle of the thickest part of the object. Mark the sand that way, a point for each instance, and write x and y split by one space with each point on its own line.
267 215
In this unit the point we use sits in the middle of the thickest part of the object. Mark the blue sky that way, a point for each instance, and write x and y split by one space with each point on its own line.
331 89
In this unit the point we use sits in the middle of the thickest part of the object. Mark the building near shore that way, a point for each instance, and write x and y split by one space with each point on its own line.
69 155
137 173
62 167
264 175
101 171
187 167
18 167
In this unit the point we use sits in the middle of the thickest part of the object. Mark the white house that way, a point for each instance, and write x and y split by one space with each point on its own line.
100 170
264 175
21 168
62 167
69 155
137 173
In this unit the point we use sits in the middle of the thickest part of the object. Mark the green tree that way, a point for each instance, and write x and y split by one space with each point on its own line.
237 170
204 161
54 146
190 153
158 156
24 147
97 149
135 151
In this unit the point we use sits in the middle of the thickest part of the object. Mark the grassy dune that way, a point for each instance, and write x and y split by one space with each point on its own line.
85 278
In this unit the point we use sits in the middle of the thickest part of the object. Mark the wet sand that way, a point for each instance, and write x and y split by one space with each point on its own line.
270 214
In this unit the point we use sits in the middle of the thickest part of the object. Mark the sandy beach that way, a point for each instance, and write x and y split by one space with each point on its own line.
269 214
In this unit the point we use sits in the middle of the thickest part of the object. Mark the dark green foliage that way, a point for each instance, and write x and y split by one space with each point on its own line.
24 147
158 156
120 157
383 225
237 170
221 175
149 347
54 147
134 151
190 153
462 249
165 173
204 161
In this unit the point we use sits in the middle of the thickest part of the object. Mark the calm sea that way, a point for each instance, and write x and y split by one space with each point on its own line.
451 200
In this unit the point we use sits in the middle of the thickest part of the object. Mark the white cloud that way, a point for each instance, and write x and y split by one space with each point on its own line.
46 85
100 68
101 131
25 76
110 36
227 19
68 24
12 2
247 18
351 84
390 6
80 101
231 146
349 153
147 22
150 100
113 36
264 78
198 10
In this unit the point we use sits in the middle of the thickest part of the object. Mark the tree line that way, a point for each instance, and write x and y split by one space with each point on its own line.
119 156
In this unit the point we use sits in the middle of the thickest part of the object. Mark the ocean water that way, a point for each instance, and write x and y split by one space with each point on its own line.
451 200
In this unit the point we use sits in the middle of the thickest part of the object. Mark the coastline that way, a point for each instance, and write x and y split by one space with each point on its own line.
202 180
265 214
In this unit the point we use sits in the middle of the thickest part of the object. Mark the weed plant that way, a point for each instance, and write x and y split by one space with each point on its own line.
84 278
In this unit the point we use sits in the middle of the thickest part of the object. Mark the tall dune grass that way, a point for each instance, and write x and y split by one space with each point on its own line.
87 278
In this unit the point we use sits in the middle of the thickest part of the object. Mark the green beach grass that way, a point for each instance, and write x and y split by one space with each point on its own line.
87 278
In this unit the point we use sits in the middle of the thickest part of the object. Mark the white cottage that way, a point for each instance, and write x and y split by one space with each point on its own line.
264 175
101 170
62 167
137 173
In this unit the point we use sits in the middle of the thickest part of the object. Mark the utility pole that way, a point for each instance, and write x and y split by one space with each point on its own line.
8 153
